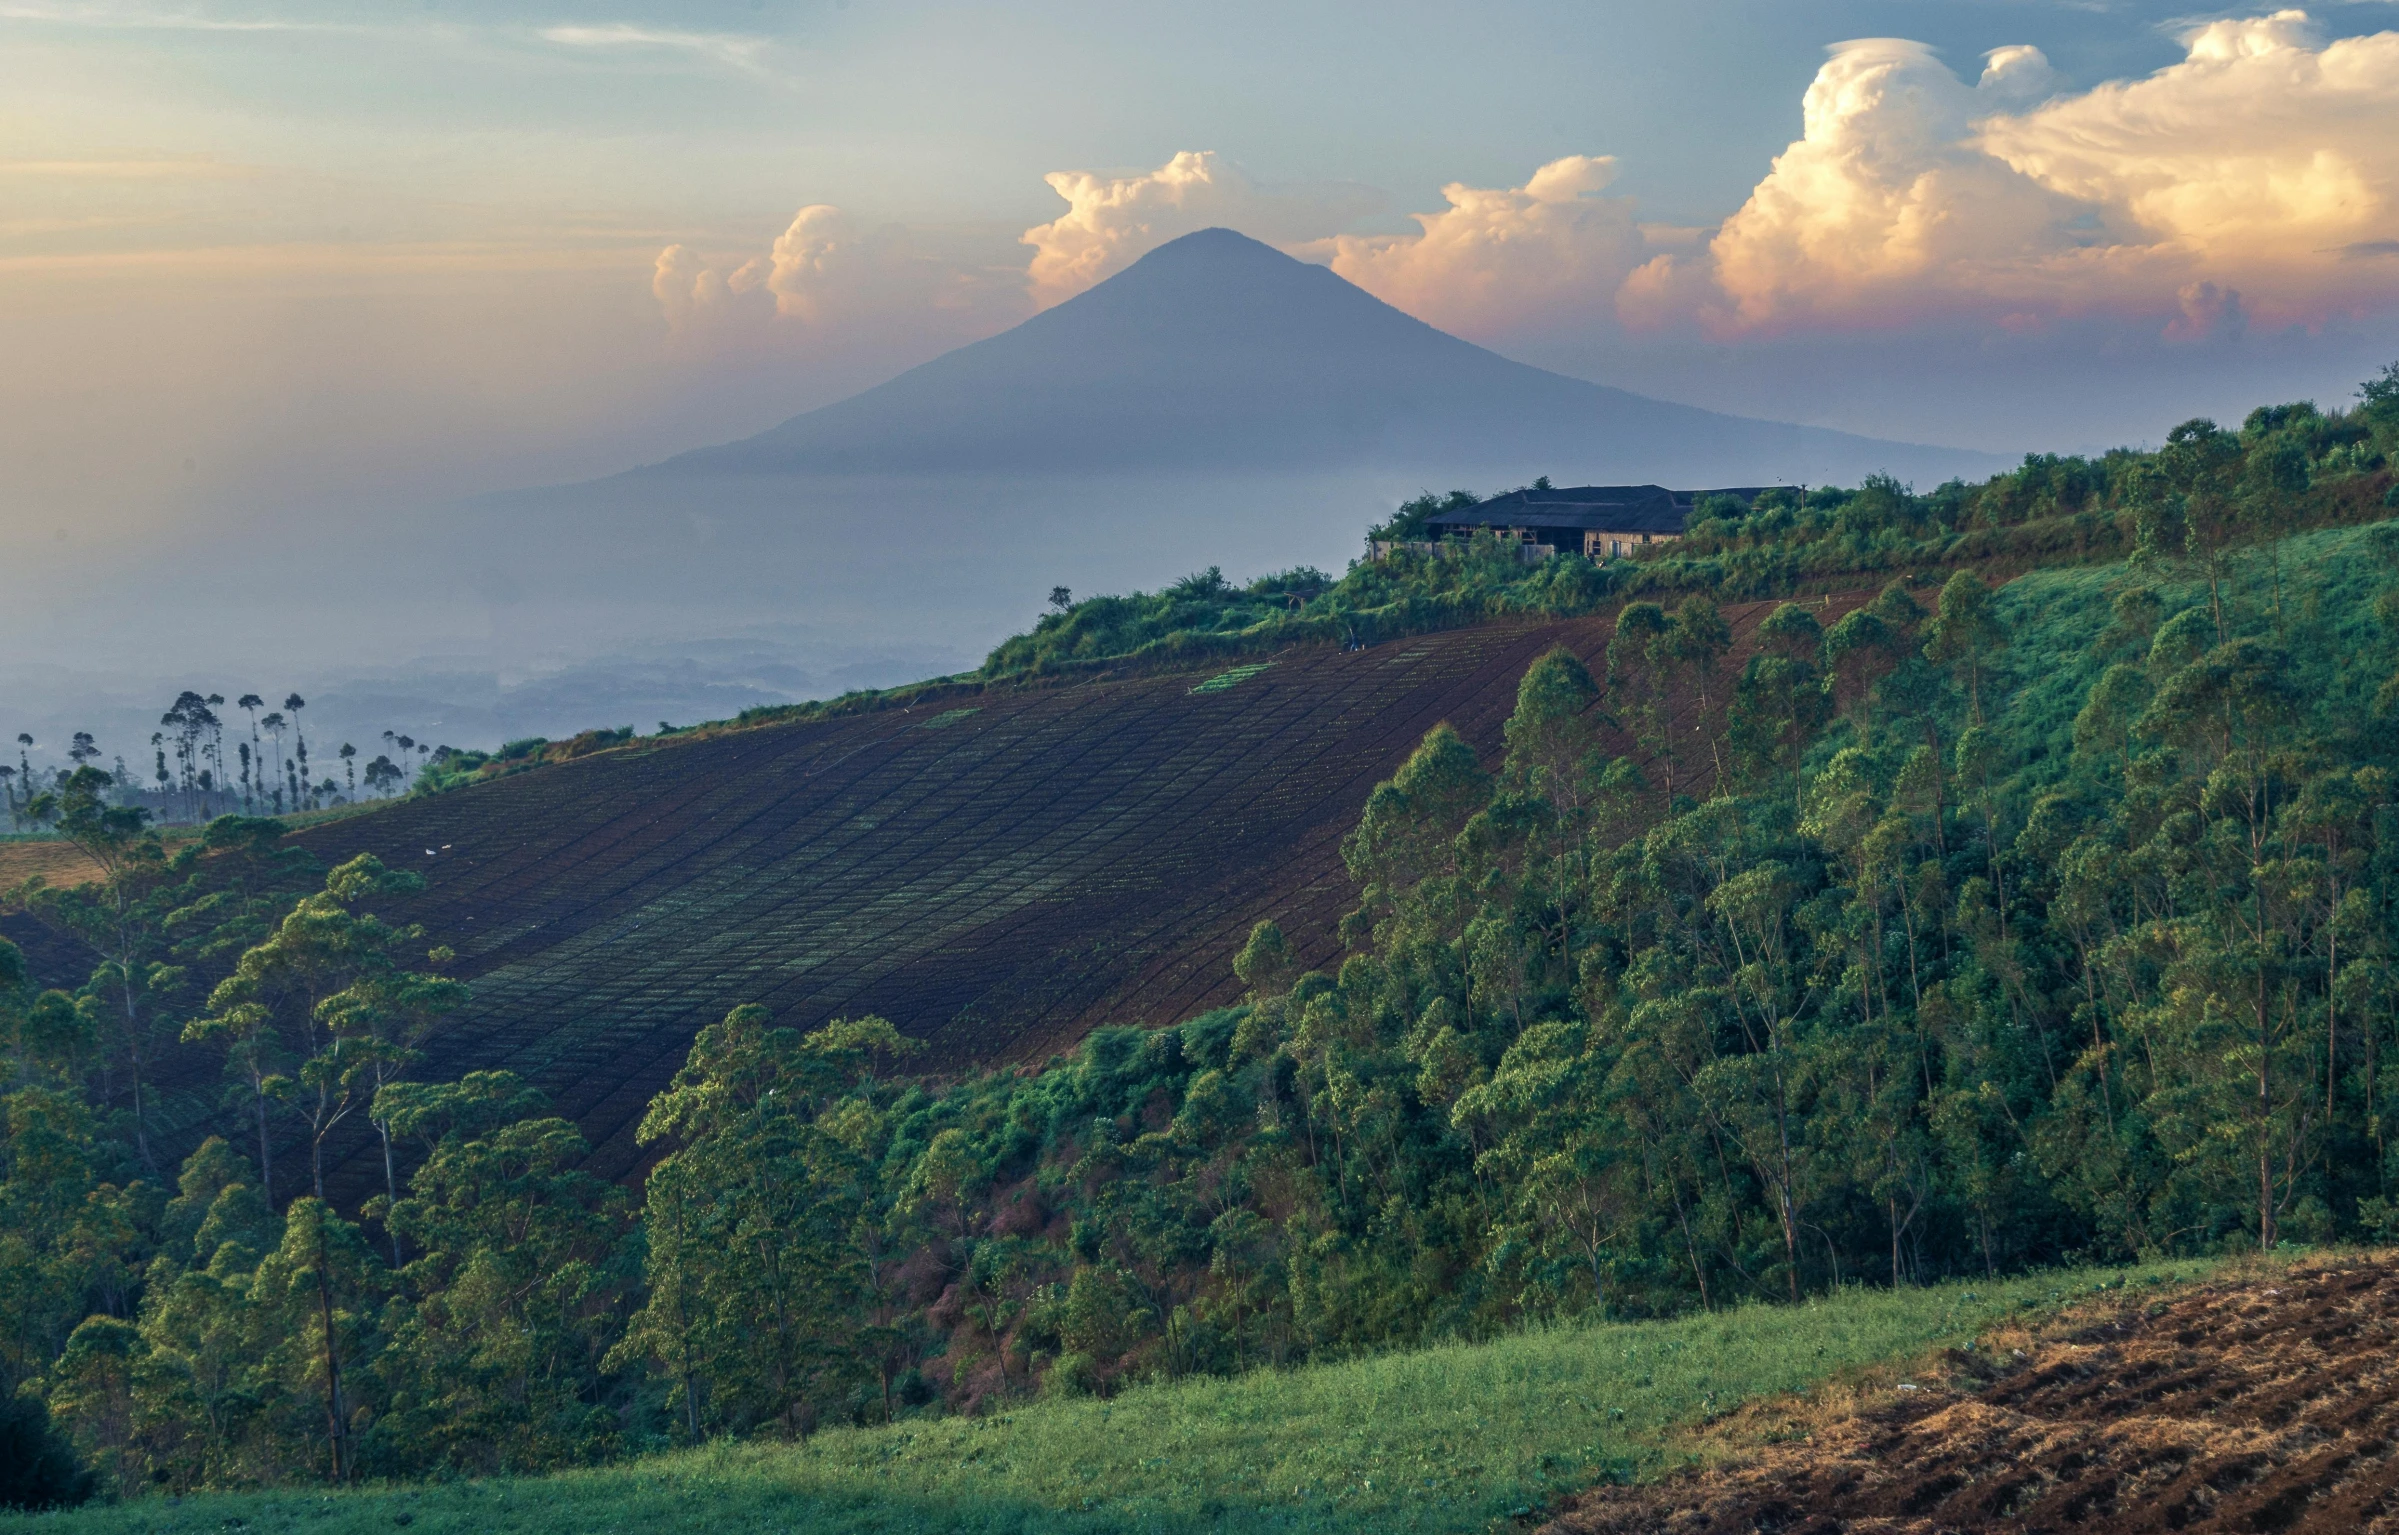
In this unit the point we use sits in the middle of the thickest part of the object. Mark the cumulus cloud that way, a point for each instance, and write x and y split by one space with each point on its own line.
2252 184
1499 259
835 278
696 296
2221 191
1112 221
832 273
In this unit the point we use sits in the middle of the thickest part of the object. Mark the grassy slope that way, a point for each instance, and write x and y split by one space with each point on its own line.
1449 1439
2057 618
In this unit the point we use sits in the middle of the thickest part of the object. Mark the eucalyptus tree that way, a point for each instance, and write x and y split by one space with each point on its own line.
334 988
278 768
1699 639
251 703
303 791
1965 634
1638 681
754 1259
120 920
216 746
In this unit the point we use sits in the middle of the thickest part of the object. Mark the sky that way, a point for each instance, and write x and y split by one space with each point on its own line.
271 270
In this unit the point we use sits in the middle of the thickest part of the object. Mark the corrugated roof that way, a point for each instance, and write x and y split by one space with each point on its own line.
1588 508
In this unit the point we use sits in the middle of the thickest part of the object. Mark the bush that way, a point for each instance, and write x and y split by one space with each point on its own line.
38 1468
1073 1375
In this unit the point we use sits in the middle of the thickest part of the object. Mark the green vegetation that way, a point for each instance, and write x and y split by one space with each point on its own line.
2314 468
1450 1438
449 768
1231 678
1958 933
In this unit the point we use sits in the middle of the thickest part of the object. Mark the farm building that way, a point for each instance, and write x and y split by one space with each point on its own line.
1598 521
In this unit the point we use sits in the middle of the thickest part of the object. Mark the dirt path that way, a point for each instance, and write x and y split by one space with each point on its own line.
2266 1404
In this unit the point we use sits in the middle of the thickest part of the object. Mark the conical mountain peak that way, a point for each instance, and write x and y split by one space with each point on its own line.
1218 352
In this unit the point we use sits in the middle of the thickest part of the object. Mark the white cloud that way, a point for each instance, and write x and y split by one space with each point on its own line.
2224 190
695 296
1498 260
832 279
732 49
1112 221
2254 184
829 269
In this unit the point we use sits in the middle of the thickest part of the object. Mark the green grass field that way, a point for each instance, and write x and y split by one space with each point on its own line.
1459 1438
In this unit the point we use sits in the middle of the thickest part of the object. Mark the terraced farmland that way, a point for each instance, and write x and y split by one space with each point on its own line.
997 875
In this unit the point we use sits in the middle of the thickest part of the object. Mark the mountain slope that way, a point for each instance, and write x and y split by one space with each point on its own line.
997 880
1217 352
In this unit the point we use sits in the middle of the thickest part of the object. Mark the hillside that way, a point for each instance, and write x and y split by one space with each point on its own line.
1215 352
950 867
1697 954
1454 1440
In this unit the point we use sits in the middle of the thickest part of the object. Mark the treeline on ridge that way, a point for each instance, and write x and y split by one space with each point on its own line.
1965 931
2315 467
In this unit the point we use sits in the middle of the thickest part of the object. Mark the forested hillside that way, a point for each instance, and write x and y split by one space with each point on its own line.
1948 929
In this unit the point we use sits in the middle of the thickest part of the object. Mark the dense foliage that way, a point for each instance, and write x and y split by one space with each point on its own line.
1459 1439
1972 930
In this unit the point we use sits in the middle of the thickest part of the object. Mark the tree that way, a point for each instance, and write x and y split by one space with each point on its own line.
1699 639
320 1294
335 989
495 1356
1777 707
1637 674
2191 507
120 921
301 787
755 1260
1965 634
252 786
65 1235
277 769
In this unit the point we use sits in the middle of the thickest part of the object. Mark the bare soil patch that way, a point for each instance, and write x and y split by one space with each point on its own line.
57 862
2259 1404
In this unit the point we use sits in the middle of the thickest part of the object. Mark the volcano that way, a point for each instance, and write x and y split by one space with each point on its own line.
1218 354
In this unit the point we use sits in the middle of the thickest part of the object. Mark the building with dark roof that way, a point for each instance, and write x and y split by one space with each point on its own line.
1598 521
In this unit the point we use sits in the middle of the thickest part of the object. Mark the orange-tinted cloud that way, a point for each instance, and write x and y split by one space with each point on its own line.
2251 182
1498 259
1112 221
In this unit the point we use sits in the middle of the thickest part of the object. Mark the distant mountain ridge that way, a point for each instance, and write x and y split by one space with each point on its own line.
1216 352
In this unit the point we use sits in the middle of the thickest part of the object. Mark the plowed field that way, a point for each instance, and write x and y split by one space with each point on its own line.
2268 1404
997 876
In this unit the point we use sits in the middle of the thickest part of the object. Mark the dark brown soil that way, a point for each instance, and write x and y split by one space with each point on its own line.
2264 1404
998 875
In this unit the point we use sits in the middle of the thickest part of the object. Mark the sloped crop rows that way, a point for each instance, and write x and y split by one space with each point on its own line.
996 882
